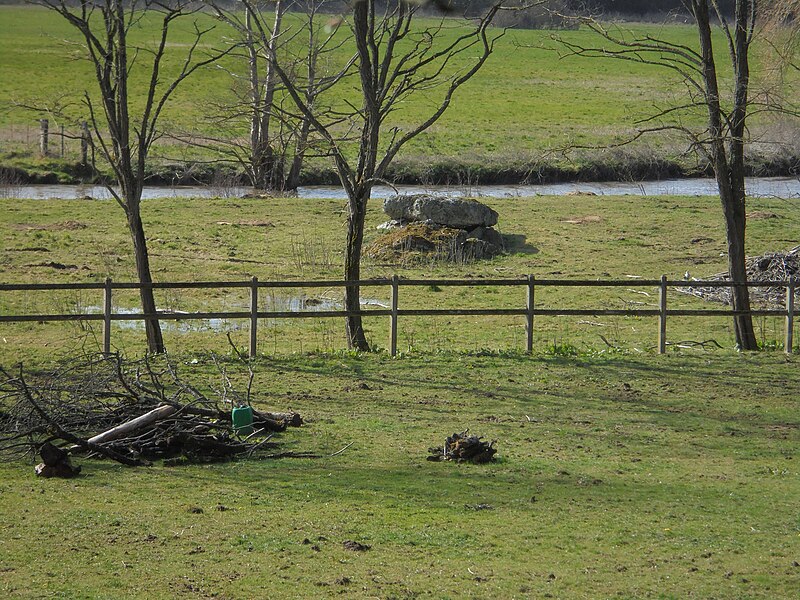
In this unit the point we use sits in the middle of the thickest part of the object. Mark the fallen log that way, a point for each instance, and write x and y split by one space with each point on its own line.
123 429
261 420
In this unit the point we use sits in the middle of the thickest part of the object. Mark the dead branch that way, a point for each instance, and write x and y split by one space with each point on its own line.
129 411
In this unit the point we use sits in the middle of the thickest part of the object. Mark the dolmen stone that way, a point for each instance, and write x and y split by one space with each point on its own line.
459 213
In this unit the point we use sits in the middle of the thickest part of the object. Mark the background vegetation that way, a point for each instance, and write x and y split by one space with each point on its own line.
514 117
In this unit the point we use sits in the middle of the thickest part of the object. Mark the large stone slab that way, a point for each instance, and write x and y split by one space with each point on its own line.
459 213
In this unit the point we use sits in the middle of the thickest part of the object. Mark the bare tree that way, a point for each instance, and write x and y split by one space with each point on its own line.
278 140
727 103
124 135
782 30
394 60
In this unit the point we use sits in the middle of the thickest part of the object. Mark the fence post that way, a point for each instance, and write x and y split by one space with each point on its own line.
529 315
107 316
662 316
84 144
393 317
787 346
44 130
253 316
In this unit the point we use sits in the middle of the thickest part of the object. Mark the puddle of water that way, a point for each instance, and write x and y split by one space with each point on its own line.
781 187
181 326
269 304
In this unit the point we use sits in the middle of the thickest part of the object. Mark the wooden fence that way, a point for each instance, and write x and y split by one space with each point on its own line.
394 312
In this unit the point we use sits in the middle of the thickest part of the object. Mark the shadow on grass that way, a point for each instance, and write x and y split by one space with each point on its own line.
677 392
518 244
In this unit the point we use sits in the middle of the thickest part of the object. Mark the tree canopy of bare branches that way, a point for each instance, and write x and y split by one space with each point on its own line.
123 134
273 152
394 59
722 90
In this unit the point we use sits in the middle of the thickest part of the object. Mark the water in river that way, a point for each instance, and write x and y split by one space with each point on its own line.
780 187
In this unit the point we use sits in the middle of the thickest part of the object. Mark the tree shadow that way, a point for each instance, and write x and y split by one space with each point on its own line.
517 243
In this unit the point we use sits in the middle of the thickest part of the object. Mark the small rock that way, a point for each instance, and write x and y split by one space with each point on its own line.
391 224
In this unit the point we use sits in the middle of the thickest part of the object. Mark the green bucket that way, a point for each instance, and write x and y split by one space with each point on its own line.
242 418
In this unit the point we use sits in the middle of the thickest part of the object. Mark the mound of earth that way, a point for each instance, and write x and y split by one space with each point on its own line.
438 242
771 266
449 229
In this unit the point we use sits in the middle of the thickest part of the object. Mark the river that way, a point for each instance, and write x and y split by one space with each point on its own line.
779 187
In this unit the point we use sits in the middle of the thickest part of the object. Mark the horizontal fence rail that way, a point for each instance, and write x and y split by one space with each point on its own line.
530 311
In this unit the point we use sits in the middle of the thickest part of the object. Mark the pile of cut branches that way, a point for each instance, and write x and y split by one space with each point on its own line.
771 266
462 447
129 411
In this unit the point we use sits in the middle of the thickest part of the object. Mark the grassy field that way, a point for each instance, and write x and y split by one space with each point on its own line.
526 102
591 237
622 473
631 477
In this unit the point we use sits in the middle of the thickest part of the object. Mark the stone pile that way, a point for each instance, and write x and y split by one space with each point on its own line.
455 229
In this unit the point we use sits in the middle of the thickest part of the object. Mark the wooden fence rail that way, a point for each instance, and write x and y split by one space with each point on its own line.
394 312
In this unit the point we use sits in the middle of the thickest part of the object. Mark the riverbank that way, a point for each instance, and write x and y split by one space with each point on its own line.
605 165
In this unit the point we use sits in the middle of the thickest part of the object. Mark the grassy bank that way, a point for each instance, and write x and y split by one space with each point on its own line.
667 477
511 122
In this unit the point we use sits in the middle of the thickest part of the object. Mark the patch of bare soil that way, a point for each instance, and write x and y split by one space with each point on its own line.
760 215
252 223
54 265
583 220
63 226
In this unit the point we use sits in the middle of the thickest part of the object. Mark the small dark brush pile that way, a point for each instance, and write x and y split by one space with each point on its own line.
771 266
462 447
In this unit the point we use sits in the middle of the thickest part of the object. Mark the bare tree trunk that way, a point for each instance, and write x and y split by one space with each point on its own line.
729 164
267 168
293 177
352 271
740 295
155 340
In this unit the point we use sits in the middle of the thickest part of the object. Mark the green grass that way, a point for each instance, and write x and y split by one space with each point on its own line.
665 477
526 101
621 472
297 239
